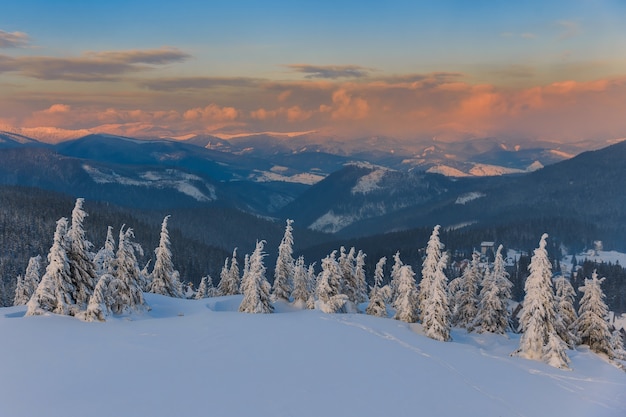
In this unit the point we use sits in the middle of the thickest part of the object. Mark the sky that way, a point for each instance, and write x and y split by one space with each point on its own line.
415 70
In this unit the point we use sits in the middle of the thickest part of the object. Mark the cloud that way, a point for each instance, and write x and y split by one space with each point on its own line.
13 39
291 114
57 108
91 66
332 72
212 112
195 83
569 29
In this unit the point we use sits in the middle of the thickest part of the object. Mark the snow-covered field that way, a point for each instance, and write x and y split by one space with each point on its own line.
203 358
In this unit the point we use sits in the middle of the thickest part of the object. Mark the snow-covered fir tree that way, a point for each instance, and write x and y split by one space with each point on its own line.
360 282
312 285
493 313
165 279
26 286
105 257
565 312
229 276
407 297
101 301
436 313
54 292
347 267
233 271
202 289
430 269
256 289
82 269
466 298
592 326
395 276
377 306
284 270
328 288
125 290
617 344
538 317
301 287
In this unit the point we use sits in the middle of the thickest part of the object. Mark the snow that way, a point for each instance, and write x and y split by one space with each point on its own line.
535 166
331 222
562 154
486 170
170 178
370 182
467 197
201 357
306 178
447 171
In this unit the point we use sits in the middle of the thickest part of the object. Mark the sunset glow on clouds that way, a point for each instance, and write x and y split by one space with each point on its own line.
411 70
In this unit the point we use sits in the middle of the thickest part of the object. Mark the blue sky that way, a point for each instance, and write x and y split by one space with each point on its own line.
509 46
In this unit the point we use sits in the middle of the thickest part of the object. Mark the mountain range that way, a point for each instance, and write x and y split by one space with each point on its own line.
345 193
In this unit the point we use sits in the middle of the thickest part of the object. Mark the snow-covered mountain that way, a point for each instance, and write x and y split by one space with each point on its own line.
202 357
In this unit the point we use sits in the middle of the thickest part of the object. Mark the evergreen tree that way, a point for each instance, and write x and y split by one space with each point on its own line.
466 299
211 290
224 286
165 280
591 325
347 263
395 276
360 283
538 316
406 299
105 257
82 268
202 289
256 289
300 293
101 301
233 273
430 269
311 285
493 314
54 292
125 291
376 306
329 286
436 315
26 286
565 313
284 270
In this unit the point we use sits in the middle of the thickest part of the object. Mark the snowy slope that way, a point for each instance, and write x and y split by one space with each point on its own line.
198 358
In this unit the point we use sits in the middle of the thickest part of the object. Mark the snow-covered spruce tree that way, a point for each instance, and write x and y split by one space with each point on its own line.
256 289
347 269
406 299
300 292
466 299
82 268
430 268
591 326
26 286
436 315
125 291
565 313
284 270
395 276
360 287
202 289
311 285
233 272
165 279
538 316
54 292
105 257
328 288
617 344
145 277
101 301
377 306
224 285
493 314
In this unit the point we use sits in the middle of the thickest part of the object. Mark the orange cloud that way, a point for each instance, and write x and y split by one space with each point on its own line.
212 112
